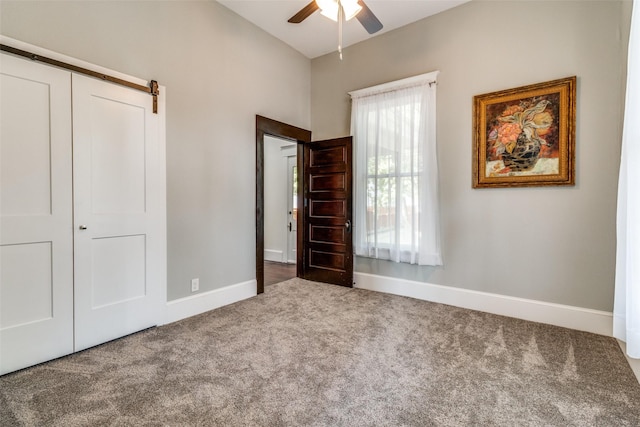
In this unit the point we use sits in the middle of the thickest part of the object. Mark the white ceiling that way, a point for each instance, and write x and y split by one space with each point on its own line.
318 35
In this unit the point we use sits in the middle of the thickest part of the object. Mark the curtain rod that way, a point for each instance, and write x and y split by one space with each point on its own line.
152 89
427 78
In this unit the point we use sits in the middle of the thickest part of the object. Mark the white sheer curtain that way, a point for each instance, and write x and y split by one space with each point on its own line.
626 312
396 172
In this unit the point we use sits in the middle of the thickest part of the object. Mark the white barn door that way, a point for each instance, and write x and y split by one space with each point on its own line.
36 264
119 212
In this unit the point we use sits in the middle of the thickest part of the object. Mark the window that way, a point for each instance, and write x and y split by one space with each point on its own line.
396 176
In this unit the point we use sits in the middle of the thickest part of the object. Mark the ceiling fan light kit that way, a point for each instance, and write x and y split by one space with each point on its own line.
330 8
339 11
351 8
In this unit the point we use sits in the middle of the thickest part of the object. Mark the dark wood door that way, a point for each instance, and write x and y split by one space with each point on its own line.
328 244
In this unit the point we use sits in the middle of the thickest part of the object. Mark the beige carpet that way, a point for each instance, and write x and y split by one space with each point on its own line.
312 354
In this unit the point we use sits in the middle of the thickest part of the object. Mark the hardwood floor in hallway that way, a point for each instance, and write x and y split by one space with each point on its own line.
276 272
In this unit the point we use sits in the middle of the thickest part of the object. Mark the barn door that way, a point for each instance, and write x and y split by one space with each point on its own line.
36 265
118 199
327 237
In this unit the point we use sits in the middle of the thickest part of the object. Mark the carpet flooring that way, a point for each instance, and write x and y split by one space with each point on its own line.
311 354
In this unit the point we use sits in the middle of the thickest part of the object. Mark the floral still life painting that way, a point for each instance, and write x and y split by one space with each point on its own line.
525 136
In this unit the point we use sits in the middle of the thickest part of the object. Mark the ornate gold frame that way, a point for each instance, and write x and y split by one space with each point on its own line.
517 122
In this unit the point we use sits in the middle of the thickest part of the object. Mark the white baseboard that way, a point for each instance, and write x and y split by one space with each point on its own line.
200 303
272 255
582 319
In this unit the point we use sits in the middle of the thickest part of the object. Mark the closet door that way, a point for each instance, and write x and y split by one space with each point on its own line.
119 212
36 265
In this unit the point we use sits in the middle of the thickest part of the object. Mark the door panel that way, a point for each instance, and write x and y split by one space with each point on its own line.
36 274
118 272
117 157
117 196
21 284
327 235
327 182
327 208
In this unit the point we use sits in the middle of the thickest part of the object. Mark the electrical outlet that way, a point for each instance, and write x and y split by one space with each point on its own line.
195 284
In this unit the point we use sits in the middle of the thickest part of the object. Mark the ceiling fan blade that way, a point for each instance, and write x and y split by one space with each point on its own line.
368 19
304 13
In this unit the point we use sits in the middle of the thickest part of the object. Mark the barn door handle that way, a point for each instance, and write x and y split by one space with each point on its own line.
289 226
348 225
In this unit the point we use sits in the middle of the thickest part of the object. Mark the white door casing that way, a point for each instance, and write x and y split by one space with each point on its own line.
36 237
292 225
119 203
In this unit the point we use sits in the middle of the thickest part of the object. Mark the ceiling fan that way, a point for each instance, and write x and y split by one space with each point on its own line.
335 9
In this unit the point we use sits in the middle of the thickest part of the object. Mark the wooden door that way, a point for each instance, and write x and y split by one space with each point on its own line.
36 238
327 237
119 259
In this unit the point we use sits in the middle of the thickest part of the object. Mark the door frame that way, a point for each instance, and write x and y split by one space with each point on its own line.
266 126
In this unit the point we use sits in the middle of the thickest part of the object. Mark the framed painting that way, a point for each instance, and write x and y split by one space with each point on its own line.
525 136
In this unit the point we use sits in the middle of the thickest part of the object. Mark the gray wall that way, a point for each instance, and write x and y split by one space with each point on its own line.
220 71
550 244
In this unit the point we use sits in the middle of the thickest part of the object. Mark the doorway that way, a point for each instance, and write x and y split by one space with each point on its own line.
268 130
280 209
292 208
324 247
